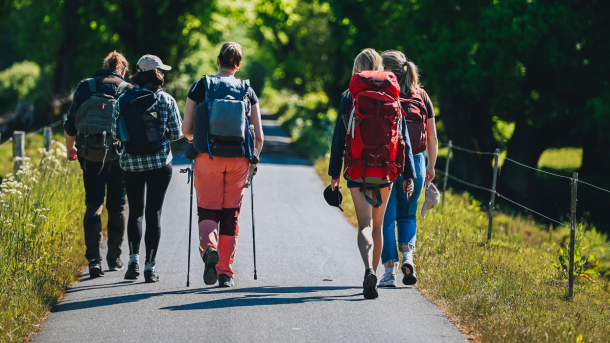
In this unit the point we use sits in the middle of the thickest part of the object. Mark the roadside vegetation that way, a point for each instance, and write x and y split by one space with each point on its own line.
41 244
508 290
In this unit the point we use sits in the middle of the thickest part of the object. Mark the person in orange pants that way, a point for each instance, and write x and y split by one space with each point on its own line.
219 182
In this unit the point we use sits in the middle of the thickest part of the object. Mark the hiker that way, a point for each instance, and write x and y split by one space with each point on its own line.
401 210
146 119
220 176
370 218
87 134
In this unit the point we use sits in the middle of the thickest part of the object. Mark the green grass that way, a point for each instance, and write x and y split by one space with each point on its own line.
567 159
41 240
505 291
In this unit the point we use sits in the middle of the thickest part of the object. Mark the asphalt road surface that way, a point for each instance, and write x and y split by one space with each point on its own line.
309 286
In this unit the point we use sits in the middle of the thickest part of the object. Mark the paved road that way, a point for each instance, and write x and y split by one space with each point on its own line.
309 285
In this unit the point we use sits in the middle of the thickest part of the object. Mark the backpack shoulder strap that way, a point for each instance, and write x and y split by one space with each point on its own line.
92 86
121 88
245 85
211 85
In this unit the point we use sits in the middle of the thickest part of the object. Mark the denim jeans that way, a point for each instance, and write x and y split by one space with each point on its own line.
400 213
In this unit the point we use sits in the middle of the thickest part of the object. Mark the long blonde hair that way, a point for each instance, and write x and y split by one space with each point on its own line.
406 71
367 59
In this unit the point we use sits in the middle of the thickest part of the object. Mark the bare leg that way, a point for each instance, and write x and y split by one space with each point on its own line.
370 220
378 214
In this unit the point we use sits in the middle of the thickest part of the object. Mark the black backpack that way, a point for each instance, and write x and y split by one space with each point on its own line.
138 122
222 123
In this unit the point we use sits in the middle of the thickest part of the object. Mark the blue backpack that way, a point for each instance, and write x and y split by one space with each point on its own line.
222 123
138 122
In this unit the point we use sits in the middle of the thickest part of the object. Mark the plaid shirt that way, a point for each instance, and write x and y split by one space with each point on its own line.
170 122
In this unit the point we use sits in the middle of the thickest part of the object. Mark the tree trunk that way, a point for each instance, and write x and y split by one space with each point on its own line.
63 78
525 146
469 126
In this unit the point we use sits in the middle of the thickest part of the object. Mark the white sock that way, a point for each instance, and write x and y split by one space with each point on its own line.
148 266
406 255
134 258
391 270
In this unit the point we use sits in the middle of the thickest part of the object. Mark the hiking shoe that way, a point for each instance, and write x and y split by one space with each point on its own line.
116 267
95 269
150 276
211 257
408 270
133 271
388 280
370 285
225 280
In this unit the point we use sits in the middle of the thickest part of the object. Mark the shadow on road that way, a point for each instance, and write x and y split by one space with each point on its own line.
253 296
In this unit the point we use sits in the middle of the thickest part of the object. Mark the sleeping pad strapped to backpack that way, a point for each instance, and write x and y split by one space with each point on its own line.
221 123
375 148
93 123
138 122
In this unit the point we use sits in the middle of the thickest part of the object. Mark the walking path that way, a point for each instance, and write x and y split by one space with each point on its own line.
309 285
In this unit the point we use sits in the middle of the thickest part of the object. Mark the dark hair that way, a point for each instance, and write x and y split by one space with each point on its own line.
147 79
406 71
230 55
116 61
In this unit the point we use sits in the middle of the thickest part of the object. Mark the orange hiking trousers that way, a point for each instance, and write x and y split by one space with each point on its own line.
219 184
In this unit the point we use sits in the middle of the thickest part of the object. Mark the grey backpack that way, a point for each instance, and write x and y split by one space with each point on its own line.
93 122
222 125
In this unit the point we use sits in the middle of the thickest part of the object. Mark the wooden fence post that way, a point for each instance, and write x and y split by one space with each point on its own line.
18 149
48 133
572 235
446 174
492 203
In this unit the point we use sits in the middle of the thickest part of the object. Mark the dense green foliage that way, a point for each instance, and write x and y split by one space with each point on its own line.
41 240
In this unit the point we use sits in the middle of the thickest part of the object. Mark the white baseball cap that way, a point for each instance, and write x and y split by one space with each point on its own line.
150 62
432 199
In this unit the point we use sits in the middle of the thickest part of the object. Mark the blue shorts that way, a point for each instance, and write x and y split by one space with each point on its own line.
354 184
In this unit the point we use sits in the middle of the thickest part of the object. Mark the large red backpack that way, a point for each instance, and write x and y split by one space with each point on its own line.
375 148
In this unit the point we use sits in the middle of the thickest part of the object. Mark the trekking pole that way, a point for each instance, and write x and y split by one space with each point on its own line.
253 227
189 170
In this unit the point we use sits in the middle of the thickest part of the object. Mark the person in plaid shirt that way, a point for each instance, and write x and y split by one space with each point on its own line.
148 172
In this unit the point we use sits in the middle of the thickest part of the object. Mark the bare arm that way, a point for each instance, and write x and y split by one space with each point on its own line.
189 116
432 149
256 120
70 149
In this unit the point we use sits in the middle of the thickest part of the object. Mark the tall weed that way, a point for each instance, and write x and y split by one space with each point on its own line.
41 243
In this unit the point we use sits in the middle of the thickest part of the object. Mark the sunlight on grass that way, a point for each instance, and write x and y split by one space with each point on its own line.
41 240
564 158
507 290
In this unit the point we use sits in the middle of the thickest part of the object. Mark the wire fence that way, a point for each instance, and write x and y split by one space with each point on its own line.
574 181
29 134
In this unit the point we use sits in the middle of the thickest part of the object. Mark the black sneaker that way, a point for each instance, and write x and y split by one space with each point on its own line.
95 269
211 257
150 276
408 270
116 267
225 280
370 284
133 271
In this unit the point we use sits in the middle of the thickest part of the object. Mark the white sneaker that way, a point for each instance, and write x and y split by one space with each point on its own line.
408 270
388 280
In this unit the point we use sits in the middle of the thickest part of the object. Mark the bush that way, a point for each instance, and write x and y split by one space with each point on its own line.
17 84
308 119
41 243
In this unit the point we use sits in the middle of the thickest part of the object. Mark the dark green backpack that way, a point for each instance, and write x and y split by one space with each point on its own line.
94 122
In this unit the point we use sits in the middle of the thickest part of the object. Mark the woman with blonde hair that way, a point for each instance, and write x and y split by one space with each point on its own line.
401 209
370 219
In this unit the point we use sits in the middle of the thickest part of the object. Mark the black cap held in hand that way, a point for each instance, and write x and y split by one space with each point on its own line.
333 198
